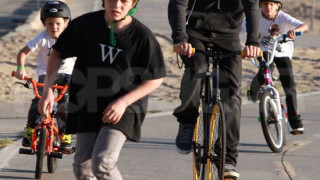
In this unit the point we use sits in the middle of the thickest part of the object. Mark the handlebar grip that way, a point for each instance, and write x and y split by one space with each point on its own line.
174 49
243 53
13 74
297 33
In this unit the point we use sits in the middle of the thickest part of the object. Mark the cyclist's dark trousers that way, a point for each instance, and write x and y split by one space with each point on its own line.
284 67
230 79
34 116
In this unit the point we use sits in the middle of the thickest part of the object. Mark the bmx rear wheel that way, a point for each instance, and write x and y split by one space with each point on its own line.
197 150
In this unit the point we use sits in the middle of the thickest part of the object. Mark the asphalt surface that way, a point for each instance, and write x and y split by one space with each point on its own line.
155 158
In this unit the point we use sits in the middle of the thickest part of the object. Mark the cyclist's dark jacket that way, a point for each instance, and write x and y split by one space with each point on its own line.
103 73
209 23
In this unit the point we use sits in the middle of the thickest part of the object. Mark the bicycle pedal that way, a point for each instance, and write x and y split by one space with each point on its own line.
64 151
26 151
56 155
296 132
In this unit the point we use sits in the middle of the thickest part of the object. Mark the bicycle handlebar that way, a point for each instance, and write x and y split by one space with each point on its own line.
273 48
242 53
175 49
297 33
35 86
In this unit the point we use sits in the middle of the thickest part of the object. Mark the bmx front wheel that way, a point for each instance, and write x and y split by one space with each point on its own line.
217 143
41 150
272 127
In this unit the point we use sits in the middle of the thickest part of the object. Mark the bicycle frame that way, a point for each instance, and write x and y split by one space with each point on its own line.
211 91
268 86
213 114
47 123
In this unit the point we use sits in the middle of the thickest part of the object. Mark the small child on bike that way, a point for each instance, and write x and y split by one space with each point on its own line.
273 16
55 16
119 62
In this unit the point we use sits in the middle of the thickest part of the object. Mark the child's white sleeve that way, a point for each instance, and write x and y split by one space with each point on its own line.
291 22
35 42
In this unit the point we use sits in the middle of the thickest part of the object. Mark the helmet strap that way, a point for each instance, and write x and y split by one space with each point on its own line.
112 40
112 37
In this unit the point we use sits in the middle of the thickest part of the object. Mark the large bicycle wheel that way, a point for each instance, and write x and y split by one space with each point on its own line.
272 127
197 148
217 144
41 150
52 162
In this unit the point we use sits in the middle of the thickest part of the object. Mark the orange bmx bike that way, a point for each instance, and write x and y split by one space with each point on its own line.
46 139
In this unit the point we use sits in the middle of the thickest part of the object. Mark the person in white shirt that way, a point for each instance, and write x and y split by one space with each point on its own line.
55 16
272 15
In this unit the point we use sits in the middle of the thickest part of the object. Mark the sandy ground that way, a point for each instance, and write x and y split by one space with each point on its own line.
305 62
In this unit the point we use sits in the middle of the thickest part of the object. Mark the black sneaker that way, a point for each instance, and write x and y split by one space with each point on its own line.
184 138
251 97
230 172
296 125
66 148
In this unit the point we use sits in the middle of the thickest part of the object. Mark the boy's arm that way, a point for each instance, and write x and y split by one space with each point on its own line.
21 58
177 12
252 13
114 111
47 100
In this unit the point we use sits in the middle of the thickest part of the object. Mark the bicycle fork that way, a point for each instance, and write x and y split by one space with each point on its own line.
50 150
276 96
212 95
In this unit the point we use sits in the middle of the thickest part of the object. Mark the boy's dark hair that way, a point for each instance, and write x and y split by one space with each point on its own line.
55 9
103 2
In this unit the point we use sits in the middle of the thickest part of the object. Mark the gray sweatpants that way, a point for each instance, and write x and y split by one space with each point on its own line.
97 153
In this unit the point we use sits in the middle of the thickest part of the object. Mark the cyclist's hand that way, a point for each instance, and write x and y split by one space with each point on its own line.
252 51
20 74
114 111
45 105
291 34
184 49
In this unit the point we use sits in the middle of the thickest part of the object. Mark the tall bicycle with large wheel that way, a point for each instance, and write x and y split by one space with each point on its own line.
46 139
209 139
272 111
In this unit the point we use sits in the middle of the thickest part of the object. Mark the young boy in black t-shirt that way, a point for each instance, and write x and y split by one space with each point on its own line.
119 62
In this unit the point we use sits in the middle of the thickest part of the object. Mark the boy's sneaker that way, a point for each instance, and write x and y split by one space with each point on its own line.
184 138
296 125
27 137
230 172
66 142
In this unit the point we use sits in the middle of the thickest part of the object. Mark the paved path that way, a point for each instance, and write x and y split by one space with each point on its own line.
155 158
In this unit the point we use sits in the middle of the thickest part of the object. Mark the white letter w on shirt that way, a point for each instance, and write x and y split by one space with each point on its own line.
109 54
